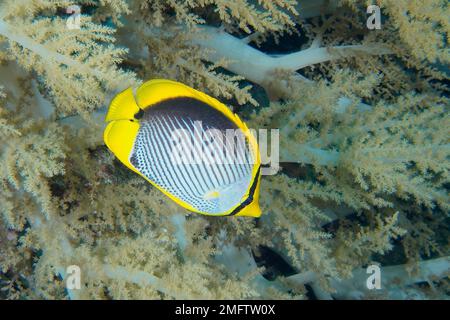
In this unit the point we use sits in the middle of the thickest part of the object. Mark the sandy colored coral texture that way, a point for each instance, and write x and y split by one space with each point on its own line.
364 149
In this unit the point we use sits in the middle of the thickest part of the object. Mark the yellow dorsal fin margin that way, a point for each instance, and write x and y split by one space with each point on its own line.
156 90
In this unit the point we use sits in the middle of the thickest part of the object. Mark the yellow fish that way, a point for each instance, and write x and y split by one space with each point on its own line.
188 145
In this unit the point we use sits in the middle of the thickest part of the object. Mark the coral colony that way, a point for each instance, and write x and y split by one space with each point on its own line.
357 207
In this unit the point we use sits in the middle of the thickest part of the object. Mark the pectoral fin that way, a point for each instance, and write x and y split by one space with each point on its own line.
122 107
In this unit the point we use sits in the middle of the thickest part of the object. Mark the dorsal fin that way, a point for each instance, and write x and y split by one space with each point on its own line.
156 90
122 107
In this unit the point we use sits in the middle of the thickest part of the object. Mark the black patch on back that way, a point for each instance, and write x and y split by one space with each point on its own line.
189 108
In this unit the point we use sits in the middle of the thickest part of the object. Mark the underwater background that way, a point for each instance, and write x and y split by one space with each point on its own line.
356 208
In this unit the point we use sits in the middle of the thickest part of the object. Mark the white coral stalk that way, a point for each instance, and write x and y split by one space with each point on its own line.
260 67
11 33
394 279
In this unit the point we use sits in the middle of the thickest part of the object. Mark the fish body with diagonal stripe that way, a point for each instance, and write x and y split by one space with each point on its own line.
188 145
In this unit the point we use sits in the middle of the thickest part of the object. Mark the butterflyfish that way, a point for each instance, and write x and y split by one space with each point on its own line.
188 145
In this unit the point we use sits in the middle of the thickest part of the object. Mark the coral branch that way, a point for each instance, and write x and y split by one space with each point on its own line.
259 67
81 63
311 56
394 279
11 33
